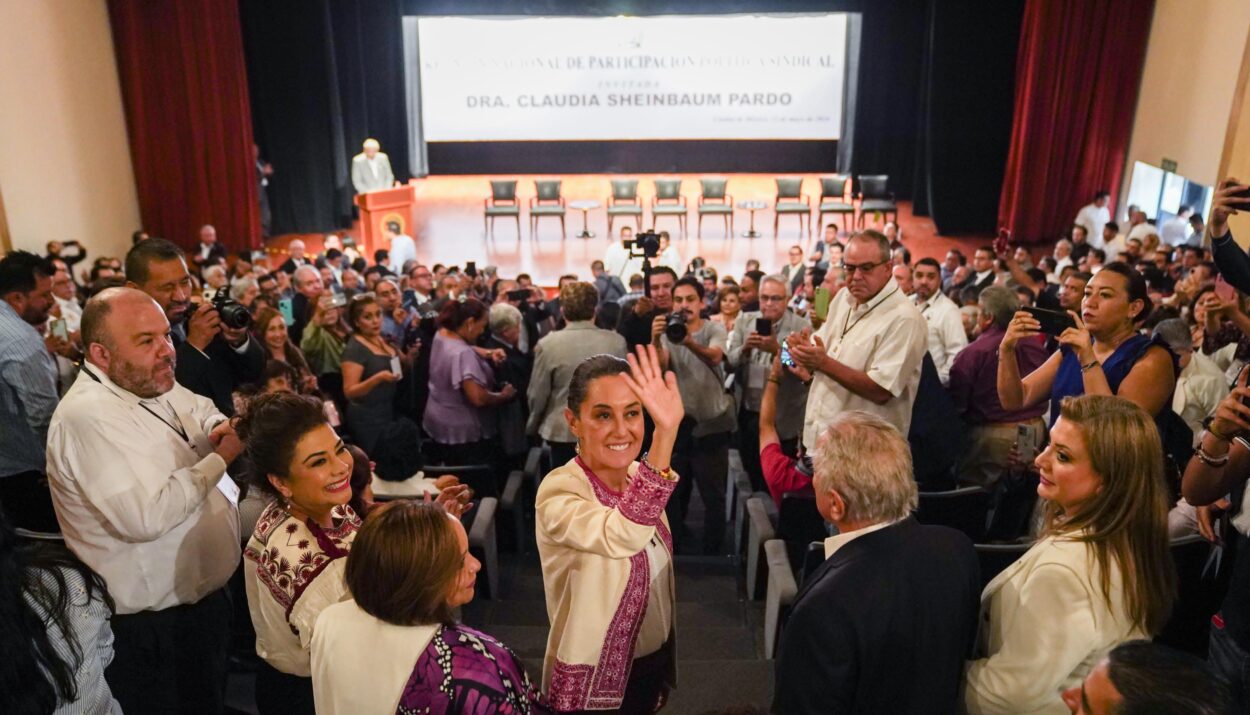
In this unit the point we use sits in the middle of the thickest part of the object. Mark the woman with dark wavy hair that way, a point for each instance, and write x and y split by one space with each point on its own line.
54 631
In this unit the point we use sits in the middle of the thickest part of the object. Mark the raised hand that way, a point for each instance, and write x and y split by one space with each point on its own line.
656 389
1225 204
1022 325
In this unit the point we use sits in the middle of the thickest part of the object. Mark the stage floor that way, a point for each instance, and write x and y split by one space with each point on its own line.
450 230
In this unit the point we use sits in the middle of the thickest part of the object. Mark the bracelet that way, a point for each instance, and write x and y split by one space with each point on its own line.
1209 460
1093 364
665 474
1218 434
775 380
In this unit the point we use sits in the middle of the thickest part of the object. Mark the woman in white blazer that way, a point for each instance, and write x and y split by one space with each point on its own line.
1101 573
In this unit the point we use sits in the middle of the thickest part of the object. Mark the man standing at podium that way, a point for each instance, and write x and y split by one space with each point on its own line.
371 169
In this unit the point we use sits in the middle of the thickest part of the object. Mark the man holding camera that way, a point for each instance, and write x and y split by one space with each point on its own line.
637 320
213 357
757 339
694 349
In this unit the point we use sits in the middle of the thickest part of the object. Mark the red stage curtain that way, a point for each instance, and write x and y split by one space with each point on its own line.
184 85
1077 76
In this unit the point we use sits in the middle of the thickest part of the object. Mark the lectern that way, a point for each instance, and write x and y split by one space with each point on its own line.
377 208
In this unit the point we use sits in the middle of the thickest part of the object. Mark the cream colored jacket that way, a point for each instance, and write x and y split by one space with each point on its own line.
594 543
1044 625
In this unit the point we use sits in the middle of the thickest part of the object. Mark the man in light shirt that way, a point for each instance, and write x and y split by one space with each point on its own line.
867 354
1113 242
946 325
402 247
137 466
1141 228
1094 216
371 169
1175 231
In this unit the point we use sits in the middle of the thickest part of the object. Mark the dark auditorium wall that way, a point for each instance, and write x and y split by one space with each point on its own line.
324 76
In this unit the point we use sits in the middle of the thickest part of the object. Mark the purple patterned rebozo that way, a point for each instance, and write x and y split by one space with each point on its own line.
466 671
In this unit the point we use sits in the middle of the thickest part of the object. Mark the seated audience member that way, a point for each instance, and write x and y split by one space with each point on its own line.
213 359
819 255
28 390
1101 573
294 558
867 355
702 451
371 370
885 623
781 472
396 645
214 278
946 327
137 465
605 544
556 357
462 390
974 390
1103 355
1141 678
269 329
245 291
323 344
56 637
750 354
794 268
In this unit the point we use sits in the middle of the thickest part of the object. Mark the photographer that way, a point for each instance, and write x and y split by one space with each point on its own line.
214 356
694 349
750 355
637 319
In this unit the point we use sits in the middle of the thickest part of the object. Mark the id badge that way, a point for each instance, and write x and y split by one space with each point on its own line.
396 368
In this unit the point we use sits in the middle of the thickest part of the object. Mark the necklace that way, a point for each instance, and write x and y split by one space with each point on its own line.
846 329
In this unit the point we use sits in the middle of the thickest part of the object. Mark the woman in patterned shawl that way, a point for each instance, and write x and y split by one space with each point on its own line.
396 647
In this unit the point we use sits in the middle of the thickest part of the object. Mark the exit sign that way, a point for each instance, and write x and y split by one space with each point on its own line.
1168 165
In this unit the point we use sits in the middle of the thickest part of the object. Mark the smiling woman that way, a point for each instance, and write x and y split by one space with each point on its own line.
296 555
605 544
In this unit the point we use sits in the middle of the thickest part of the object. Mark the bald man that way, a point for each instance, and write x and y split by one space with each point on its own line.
137 467
295 257
371 169
208 252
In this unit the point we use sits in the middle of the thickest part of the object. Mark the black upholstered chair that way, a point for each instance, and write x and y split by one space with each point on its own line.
546 201
502 202
875 197
668 201
791 201
713 200
624 201
833 199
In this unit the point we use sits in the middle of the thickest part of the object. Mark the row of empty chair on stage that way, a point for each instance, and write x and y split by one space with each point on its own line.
839 196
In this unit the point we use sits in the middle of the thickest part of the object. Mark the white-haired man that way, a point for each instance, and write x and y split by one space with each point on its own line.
371 169
883 625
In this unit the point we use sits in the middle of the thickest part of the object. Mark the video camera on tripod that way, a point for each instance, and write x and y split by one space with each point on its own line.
645 245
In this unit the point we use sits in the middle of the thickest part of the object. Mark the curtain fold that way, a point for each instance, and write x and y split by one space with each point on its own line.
1078 71
188 117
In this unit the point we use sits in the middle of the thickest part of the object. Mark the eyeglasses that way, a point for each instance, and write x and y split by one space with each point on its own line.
772 299
851 268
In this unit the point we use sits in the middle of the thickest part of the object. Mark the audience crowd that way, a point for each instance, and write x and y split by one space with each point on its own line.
207 433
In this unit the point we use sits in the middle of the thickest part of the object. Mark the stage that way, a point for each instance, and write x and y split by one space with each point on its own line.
450 229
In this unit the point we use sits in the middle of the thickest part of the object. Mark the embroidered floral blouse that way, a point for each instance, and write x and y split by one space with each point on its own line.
608 576
298 572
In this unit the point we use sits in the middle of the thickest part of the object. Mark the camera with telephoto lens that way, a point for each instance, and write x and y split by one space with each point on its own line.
233 314
644 245
675 326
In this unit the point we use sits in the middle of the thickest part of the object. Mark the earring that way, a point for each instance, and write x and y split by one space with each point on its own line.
578 448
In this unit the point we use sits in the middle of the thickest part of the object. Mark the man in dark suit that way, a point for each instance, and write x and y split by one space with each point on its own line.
295 257
982 274
208 251
308 290
885 623
212 359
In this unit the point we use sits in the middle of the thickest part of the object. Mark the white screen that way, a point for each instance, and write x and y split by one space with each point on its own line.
621 78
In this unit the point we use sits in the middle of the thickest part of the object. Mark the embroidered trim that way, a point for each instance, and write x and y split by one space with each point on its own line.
645 497
575 687
289 555
569 686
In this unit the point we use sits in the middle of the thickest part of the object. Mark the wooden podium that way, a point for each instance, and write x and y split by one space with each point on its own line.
377 208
